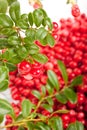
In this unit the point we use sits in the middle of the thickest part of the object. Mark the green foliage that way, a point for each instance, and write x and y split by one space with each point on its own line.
5 20
63 71
5 108
70 95
56 123
36 94
3 6
26 107
14 11
1 118
53 79
76 126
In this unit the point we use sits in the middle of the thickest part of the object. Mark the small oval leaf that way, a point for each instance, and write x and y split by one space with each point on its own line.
53 79
70 95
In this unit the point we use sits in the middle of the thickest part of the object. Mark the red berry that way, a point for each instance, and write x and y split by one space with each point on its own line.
75 10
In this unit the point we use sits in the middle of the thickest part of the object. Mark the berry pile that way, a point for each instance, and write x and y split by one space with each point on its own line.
71 47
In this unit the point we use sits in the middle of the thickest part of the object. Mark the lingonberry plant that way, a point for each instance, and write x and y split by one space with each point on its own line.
44 66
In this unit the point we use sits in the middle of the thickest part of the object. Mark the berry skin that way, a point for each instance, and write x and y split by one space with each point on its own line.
24 67
75 10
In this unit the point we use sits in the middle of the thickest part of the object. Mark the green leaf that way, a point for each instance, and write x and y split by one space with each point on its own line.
49 88
19 117
14 40
53 79
22 24
48 22
63 111
70 95
41 33
33 49
26 107
7 32
43 126
11 66
30 18
30 125
79 125
4 85
30 33
3 43
5 105
43 90
40 58
3 73
76 126
3 6
56 123
1 118
14 11
48 107
4 111
50 40
11 1
36 94
50 101
61 98
76 81
21 51
62 68
21 128
5 20
38 17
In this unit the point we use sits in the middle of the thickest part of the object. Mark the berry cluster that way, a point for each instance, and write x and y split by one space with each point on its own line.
71 47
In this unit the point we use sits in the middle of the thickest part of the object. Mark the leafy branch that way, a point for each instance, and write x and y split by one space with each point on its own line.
30 115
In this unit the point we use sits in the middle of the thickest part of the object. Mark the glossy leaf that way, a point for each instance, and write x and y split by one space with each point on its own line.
21 51
36 94
43 126
53 79
47 107
61 98
43 90
50 40
3 73
3 43
50 101
3 6
19 117
7 32
14 40
5 20
41 33
76 126
30 18
22 24
11 66
70 95
38 17
4 111
14 11
11 1
1 118
56 123
30 33
30 125
49 88
40 58
33 49
48 22
76 81
5 105
4 85
26 107
62 68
